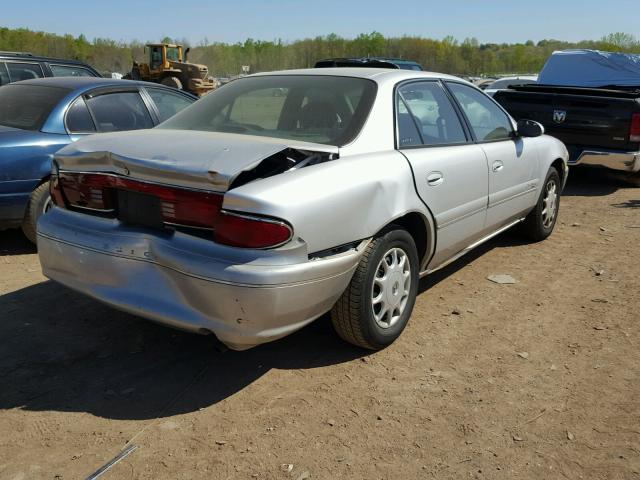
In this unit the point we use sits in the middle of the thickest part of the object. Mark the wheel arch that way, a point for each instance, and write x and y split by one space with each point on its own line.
558 164
422 230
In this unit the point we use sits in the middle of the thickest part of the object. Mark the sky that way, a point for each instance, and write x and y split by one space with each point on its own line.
236 20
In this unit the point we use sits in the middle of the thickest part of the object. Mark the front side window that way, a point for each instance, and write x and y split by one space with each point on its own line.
168 103
487 120
426 105
70 71
114 112
28 106
19 71
311 108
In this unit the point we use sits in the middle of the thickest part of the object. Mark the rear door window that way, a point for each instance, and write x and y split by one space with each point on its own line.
19 71
70 71
168 103
429 108
114 112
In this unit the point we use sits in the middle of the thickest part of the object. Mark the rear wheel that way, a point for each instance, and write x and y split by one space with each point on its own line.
39 203
539 224
376 306
173 82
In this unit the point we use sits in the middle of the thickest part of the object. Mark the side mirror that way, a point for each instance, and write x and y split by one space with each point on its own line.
529 128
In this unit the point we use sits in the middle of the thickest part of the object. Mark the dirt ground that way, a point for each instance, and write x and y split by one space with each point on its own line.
536 380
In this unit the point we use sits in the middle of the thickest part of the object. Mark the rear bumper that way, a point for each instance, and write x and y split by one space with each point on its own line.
244 297
615 160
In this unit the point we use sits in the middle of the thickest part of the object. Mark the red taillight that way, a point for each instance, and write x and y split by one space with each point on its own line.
87 190
180 208
634 131
250 232
55 192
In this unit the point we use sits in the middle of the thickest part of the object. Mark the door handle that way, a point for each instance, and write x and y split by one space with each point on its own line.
434 179
497 166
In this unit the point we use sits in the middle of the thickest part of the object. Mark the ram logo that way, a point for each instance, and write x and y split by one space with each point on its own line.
559 116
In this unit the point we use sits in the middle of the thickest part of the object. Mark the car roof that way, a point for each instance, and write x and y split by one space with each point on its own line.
39 58
378 75
86 83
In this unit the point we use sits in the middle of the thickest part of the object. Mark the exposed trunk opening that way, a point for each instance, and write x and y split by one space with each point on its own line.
280 162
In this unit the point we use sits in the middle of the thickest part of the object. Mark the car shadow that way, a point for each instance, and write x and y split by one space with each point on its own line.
13 242
592 182
65 352
627 204
505 240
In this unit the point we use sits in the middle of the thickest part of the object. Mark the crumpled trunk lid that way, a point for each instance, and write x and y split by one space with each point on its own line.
193 159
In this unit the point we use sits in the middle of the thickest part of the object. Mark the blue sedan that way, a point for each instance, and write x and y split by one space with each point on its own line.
40 116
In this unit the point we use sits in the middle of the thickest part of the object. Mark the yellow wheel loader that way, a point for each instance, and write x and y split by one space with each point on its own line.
168 65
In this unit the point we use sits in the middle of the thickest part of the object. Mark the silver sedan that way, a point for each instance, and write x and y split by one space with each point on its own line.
283 196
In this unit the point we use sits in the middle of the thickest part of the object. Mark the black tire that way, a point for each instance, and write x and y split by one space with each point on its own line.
173 82
536 225
39 201
353 314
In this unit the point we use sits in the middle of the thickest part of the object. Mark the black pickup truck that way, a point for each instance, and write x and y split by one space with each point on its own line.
599 125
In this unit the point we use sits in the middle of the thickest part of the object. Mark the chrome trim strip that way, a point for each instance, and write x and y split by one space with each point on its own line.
188 226
101 210
470 247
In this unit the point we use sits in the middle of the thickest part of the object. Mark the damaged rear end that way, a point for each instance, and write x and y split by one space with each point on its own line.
183 188
149 234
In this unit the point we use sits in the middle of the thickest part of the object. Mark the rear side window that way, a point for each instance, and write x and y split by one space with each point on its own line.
19 71
114 112
70 71
431 111
4 74
168 103
28 106
487 120
79 119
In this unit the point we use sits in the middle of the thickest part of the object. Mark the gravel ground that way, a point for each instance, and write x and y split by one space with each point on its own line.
536 380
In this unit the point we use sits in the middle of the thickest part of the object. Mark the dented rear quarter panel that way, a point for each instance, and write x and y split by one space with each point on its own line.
336 202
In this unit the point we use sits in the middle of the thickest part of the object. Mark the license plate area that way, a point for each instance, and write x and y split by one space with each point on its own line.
141 209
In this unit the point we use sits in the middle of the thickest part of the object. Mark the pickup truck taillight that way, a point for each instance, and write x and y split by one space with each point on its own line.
179 208
634 131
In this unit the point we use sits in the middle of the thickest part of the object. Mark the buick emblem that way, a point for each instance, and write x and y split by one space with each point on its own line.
559 116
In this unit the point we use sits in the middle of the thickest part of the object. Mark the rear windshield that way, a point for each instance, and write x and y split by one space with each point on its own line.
28 106
319 109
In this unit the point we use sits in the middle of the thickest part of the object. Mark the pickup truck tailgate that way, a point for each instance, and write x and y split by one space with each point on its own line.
579 117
